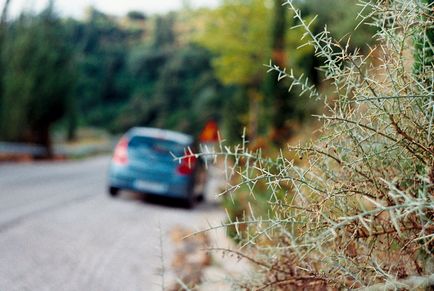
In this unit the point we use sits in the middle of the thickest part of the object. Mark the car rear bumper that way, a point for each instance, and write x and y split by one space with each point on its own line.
122 178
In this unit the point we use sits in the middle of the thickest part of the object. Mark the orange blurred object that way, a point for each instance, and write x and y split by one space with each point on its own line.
209 133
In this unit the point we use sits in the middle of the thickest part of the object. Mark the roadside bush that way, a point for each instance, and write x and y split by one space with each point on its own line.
359 211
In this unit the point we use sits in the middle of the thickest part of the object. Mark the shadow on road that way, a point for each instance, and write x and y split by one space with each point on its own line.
163 201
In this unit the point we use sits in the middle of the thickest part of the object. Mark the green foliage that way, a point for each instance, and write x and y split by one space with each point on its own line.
342 19
278 90
238 36
424 45
236 114
164 35
101 49
257 34
37 79
136 16
178 103
148 79
3 29
145 70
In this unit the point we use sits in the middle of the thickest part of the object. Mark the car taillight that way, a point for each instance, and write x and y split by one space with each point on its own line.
120 155
186 167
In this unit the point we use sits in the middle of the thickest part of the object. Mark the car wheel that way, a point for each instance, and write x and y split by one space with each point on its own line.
190 202
200 180
113 191
201 197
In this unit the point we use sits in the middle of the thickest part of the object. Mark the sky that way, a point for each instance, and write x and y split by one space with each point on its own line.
76 8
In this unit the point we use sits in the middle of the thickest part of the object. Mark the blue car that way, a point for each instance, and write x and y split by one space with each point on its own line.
143 161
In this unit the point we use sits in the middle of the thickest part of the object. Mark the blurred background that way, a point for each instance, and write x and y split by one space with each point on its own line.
73 74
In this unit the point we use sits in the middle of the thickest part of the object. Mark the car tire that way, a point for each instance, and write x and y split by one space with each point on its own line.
201 197
190 202
113 191
199 186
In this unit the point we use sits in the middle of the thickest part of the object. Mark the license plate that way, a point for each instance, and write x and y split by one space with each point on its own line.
150 186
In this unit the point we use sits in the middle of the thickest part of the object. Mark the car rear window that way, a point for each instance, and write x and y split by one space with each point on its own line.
157 146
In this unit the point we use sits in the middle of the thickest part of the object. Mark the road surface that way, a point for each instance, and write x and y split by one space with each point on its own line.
60 231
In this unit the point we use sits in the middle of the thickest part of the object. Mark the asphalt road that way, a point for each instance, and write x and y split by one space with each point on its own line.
59 230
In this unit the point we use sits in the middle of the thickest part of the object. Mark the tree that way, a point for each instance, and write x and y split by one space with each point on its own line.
279 92
173 88
101 47
342 18
239 38
164 36
37 78
424 48
243 35
136 16
3 28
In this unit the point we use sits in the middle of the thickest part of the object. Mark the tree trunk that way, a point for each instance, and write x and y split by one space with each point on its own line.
3 17
281 109
72 119
41 136
46 141
5 12
253 114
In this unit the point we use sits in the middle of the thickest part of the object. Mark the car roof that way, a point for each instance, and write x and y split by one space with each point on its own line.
161 134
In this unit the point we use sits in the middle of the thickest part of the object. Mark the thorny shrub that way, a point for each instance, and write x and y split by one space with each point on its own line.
360 211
